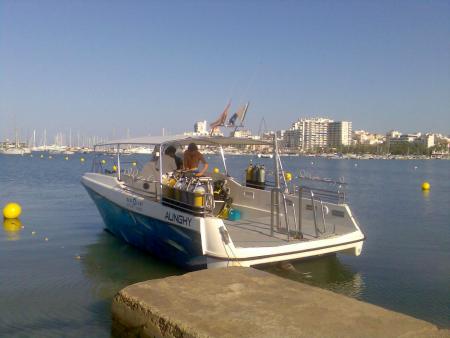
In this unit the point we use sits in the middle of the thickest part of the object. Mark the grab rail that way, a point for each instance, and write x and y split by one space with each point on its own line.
275 211
129 180
336 197
313 197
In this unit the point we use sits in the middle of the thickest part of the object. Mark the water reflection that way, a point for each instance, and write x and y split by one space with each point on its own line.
12 229
326 272
111 264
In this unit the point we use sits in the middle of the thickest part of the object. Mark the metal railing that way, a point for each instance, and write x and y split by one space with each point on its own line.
336 197
142 185
275 194
317 197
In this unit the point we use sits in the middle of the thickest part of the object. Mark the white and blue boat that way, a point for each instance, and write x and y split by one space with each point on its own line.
225 222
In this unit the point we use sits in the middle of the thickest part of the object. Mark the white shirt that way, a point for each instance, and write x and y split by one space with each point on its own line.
168 164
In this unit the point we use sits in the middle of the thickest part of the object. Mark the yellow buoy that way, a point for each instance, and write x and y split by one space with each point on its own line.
66 158
114 168
82 159
216 170
103 161
288 176
12 210
426 186
134 164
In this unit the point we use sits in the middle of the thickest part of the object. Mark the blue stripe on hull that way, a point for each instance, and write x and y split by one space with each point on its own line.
167 241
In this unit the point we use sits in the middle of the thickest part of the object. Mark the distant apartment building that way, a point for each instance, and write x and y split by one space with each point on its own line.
313 133
428 140
201 128
339 134
307 134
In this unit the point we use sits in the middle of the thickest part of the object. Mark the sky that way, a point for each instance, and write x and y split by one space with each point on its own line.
105 67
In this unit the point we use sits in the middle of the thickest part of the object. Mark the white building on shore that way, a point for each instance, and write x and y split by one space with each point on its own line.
365 137
395 137
339 134
307 134
313 133
201 128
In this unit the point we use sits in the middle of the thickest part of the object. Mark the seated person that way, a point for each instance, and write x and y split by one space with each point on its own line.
191 159
168 160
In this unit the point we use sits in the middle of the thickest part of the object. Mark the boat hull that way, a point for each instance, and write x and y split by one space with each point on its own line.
194 242
166 241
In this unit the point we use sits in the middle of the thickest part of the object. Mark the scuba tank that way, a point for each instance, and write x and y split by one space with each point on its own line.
172 181
171 184
178 187
255 174
179 184
199 192
168 186
249 172
262 176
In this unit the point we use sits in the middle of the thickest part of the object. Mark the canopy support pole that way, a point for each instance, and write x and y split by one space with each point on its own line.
277 180
224 160
118 162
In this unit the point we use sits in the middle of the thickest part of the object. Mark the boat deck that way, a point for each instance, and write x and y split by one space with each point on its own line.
255 232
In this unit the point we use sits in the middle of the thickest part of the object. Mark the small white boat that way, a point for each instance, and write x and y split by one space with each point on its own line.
15 151
265 155
166 215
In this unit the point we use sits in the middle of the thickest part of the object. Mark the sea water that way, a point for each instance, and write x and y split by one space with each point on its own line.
59 269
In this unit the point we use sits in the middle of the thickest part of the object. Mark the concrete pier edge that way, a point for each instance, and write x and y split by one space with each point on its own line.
245 302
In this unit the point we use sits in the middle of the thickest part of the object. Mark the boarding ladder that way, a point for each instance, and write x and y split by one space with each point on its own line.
317 198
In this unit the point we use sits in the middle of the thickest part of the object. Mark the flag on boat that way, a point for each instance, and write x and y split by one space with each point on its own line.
239 114
222 118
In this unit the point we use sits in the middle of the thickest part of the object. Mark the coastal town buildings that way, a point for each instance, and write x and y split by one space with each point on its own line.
365 137
323 134
394 137
241 133
339 134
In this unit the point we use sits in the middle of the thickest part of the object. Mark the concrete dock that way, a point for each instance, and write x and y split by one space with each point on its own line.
245 302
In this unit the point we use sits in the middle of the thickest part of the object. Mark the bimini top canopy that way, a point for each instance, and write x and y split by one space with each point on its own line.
186 139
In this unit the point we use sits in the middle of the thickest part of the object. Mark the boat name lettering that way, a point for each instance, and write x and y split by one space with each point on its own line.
133 202
180 219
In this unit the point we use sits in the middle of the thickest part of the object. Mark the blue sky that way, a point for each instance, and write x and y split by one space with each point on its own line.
100 67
